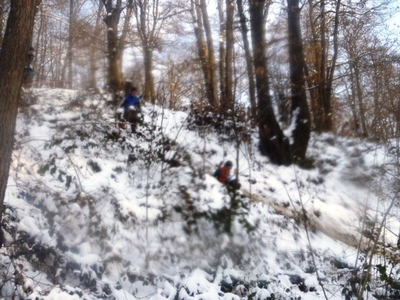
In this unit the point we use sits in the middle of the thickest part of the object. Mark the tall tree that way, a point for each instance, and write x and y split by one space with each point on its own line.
70 43
324 30
249 62
1 20
227 98
205 48
300 114
16 42
116 42
273 142
93 45
151 19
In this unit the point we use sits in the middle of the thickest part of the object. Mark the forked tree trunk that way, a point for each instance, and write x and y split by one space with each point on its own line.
16 42
324 65
211 64
116 44
202 48
300 114
273 143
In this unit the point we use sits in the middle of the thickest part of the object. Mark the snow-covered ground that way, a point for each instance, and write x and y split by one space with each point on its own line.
93 212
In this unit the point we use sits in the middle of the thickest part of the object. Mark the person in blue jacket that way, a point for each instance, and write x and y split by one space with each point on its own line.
131 105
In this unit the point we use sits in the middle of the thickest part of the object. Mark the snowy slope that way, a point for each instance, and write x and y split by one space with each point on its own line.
93 212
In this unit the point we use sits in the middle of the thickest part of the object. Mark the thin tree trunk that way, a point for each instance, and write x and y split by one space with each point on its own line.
249 63
211 53
93 58
16 42
359 94
70 43
273 143
222 53
300 114
356 124
227 103
146 33
1 21
328 126
203 53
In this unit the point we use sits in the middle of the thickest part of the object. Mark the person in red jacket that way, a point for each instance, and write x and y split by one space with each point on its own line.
224 175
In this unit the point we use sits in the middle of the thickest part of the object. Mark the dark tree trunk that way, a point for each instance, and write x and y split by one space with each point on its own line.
116 44
114 56
1 20
16 42
249 62
300 114
273 143
227 101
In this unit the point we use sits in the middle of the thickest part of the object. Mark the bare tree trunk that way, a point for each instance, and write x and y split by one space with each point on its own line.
356 124
1 21
249 63
114 57
222 53
328 126
115 44
211 54
149 92
273 143
203 53
300 114
321 82
359 96
70 43
227 103
16 42
92 58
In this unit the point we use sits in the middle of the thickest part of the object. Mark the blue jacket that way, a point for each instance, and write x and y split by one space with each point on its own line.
130 101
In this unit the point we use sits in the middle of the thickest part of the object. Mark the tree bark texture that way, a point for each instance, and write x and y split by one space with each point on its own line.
70 43
211 53
115 43
1 21
203 53
249 62
222 51
227 96
16 43
273 143
300 114
323 66
92 84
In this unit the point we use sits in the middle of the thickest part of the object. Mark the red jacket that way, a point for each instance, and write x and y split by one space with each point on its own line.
225 174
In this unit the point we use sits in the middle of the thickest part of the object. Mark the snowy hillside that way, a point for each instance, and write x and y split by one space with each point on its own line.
93 212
